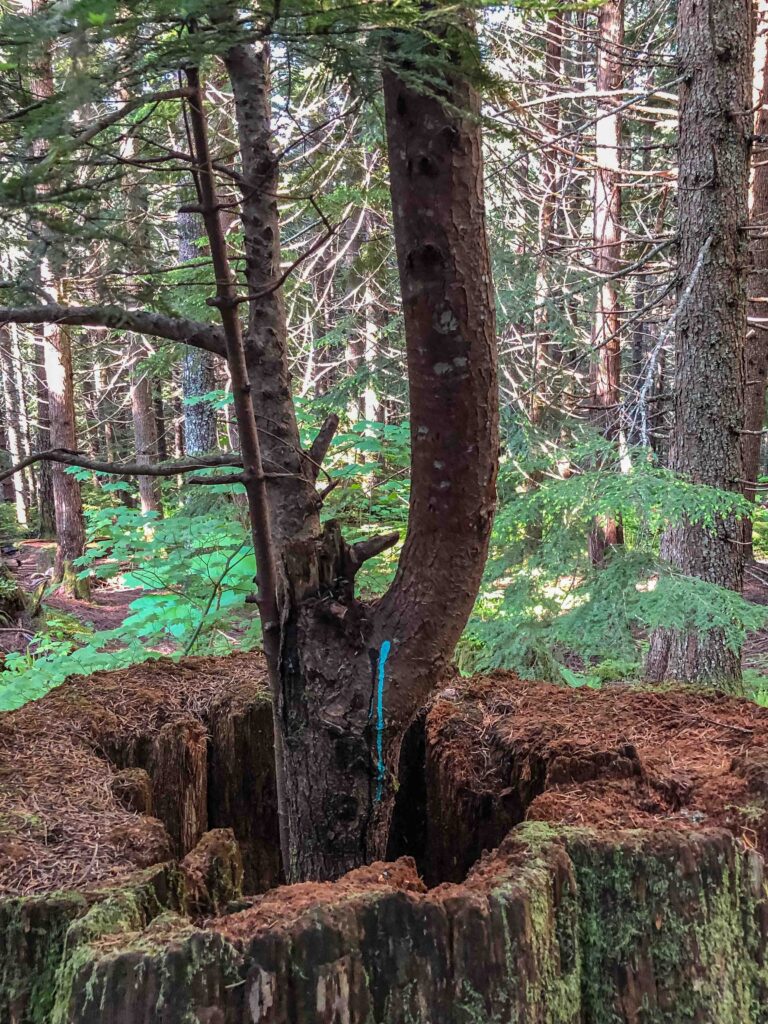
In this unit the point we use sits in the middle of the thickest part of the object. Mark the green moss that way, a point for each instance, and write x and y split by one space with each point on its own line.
44 939
32 936
542 957
662 929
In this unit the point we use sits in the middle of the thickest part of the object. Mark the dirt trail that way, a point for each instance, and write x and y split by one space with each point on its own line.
109 602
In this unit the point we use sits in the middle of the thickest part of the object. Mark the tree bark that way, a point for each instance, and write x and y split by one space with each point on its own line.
348 677
144 431
8 356
70 530
550 126
757 338
46 509
9 485
605 377
158 404
198 374
714 43
351 676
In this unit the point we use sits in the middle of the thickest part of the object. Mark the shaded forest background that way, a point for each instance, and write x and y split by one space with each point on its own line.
580 133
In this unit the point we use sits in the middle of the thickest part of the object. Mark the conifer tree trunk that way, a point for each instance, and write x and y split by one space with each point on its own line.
198 375
46 510
605 381
70 530
12 402
41 86
757 336
714 44
158 404
350 677
550 123
9 487
144 431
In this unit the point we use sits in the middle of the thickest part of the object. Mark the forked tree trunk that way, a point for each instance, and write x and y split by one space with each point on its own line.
605 380
757 336
714 42
349 677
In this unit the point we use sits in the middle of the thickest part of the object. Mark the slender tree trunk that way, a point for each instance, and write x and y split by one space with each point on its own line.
641 331
12 402
9 485
605 382
70 531
55 395
371 407
714 44
198 375
549 175
23 382
158 404
46 510
757 336
179 446
105 414
144 432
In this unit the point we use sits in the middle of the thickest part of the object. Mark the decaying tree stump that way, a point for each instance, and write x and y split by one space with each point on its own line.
626 885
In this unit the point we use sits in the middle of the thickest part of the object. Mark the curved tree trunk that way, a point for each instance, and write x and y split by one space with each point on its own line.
714 41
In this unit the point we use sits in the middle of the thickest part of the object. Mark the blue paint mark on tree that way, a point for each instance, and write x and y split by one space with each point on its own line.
381 770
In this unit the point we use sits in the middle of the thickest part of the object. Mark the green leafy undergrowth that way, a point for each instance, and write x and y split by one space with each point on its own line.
193 572
195 566
546 611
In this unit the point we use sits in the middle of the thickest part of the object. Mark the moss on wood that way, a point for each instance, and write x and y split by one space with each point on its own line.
559 926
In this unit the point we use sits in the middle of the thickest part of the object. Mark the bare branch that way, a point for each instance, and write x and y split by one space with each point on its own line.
133 104
189 332
322 442
219 478
365 549
71 458
278 283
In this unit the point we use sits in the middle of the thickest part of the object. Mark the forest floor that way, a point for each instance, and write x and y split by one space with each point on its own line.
132 800
109 603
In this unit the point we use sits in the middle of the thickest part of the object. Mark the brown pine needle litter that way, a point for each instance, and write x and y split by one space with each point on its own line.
61 824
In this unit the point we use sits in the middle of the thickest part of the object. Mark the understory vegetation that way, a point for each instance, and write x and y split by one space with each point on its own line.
545 611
